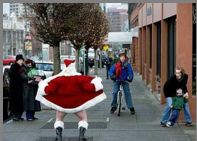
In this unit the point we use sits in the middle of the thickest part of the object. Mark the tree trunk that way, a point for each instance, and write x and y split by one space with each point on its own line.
56 59
77 59
95 62
100 59
86 62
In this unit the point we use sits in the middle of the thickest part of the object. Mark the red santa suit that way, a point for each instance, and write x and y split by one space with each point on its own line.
69 91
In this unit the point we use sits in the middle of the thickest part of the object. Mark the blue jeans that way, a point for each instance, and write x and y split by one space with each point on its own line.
187 114
174 116
166 112
116 88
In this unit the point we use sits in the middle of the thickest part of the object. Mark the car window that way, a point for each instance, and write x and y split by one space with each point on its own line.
48 67
6 78
44 66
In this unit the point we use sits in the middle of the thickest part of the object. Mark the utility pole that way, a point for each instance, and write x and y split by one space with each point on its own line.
13 29
26 51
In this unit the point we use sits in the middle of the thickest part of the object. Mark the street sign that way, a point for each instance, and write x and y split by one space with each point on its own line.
105 47
28 37
28 45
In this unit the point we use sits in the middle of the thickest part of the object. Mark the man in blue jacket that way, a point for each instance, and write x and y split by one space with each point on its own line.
121 72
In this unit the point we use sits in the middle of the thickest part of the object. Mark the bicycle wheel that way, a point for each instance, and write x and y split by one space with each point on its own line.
119 102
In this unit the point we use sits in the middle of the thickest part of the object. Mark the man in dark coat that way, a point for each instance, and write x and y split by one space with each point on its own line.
16 89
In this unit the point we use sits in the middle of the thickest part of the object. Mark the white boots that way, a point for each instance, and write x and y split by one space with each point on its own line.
82 126
59 126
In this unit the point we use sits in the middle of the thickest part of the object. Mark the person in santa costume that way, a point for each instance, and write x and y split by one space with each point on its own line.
70 92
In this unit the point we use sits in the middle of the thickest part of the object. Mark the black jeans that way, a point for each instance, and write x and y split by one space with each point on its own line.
30 114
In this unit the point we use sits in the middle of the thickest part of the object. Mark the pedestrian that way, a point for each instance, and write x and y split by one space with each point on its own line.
70 92
30 87
177 105
108 65
177 81
121 72
16 89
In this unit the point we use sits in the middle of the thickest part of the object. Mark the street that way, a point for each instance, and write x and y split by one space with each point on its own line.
143 126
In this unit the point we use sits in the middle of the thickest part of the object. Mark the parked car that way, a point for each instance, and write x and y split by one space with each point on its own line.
6 81
91 57
46 67
9 60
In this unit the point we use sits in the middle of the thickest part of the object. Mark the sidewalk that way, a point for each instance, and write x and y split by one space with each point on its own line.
143 126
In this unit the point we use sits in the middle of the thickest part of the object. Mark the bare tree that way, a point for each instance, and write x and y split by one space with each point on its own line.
89 27
80 25
83 24
98 33
49 25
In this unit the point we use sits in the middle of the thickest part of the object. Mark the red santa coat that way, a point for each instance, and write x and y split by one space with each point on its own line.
70 93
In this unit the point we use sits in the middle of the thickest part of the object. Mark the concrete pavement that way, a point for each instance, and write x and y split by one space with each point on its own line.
143 126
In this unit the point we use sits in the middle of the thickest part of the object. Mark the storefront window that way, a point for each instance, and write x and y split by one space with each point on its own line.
159 49
171 45
150 45
194 49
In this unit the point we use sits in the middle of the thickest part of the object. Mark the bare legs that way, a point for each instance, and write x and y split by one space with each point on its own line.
82 125
82 115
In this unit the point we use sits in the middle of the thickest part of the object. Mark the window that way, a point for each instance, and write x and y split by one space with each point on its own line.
194 49
44 66
171 45
159 49
150 45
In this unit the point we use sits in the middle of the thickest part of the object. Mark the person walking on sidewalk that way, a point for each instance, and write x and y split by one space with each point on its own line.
177 105
70 92
120 73
108 65
16 89
177 81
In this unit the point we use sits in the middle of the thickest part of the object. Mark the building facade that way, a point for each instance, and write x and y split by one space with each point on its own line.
118 19
167 37
17 8
13 37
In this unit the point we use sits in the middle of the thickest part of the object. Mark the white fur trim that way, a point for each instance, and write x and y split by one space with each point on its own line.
83 124
41 86
59 124
84 106
97 83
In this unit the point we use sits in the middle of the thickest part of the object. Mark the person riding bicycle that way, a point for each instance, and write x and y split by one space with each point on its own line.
120 73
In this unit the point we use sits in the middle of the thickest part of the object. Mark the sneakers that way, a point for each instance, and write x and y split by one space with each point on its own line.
29 119
163 124
168 124
188 124
113 109
132 110
17 119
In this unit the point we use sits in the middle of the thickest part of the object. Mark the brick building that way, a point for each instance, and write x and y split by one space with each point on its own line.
167 37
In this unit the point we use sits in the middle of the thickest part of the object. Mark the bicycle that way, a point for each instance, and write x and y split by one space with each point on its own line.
120 93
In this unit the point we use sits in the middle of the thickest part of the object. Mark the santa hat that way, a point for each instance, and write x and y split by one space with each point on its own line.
68 62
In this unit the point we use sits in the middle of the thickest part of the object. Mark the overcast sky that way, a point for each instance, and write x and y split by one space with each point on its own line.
6 6
113 4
